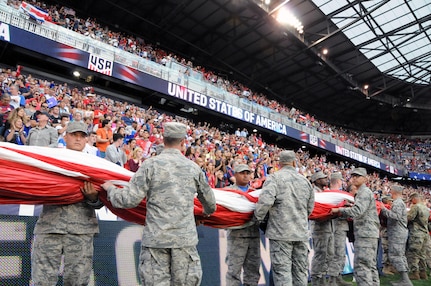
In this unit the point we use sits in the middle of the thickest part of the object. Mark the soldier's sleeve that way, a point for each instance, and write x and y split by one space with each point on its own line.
311 199
95 205
362 202
205 195
266 198
394 213
412 213
131 195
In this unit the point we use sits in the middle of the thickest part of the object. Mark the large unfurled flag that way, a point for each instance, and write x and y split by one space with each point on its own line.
34 12
42 175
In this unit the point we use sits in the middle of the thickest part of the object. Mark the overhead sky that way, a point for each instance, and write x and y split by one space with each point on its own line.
395 35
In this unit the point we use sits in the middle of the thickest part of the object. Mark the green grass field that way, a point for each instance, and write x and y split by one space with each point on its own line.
385 280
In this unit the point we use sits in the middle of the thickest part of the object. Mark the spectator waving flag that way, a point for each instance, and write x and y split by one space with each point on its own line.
34 12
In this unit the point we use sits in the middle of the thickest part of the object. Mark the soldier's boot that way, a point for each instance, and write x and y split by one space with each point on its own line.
392 269
404 281
387 271
423 275
341 282
414 275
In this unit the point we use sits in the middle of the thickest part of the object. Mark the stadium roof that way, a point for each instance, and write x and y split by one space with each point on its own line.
375 76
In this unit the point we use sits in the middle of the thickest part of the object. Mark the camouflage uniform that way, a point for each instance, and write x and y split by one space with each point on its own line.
341 227
418 236
366 228
169 182
397 233
67 230
243 251
289 199
323 245
384 243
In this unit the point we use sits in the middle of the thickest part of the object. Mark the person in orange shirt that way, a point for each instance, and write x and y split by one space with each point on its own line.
104 137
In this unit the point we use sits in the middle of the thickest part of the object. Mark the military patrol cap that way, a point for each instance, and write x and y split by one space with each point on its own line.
397 188
241 168
337 175
175 130
77 126
287 156
360 171
318 175
386 199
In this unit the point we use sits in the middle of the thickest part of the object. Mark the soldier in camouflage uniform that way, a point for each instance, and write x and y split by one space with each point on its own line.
397 234
366 229
169 182
67 230
417 216
388 268
288 197
243 245
323 238
341 227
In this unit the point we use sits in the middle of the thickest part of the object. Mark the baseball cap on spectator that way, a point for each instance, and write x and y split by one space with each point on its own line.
241 168
318 175
337 175
37 113
287 156
359 171
175 130
77 126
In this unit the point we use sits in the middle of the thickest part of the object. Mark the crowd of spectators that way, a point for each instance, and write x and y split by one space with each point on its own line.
413 154
137 132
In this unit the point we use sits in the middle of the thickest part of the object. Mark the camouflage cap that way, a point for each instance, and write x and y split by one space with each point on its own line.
337 175
318 175
386 199
397 188
360 171
287 156
77 126
175 130
241 168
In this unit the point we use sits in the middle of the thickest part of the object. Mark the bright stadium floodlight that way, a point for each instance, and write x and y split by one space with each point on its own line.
284 16
76 74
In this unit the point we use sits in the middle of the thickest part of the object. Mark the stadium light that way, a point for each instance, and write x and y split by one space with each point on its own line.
76 74
284 16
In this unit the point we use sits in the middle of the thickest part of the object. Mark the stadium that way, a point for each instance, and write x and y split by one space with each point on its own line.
344 83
